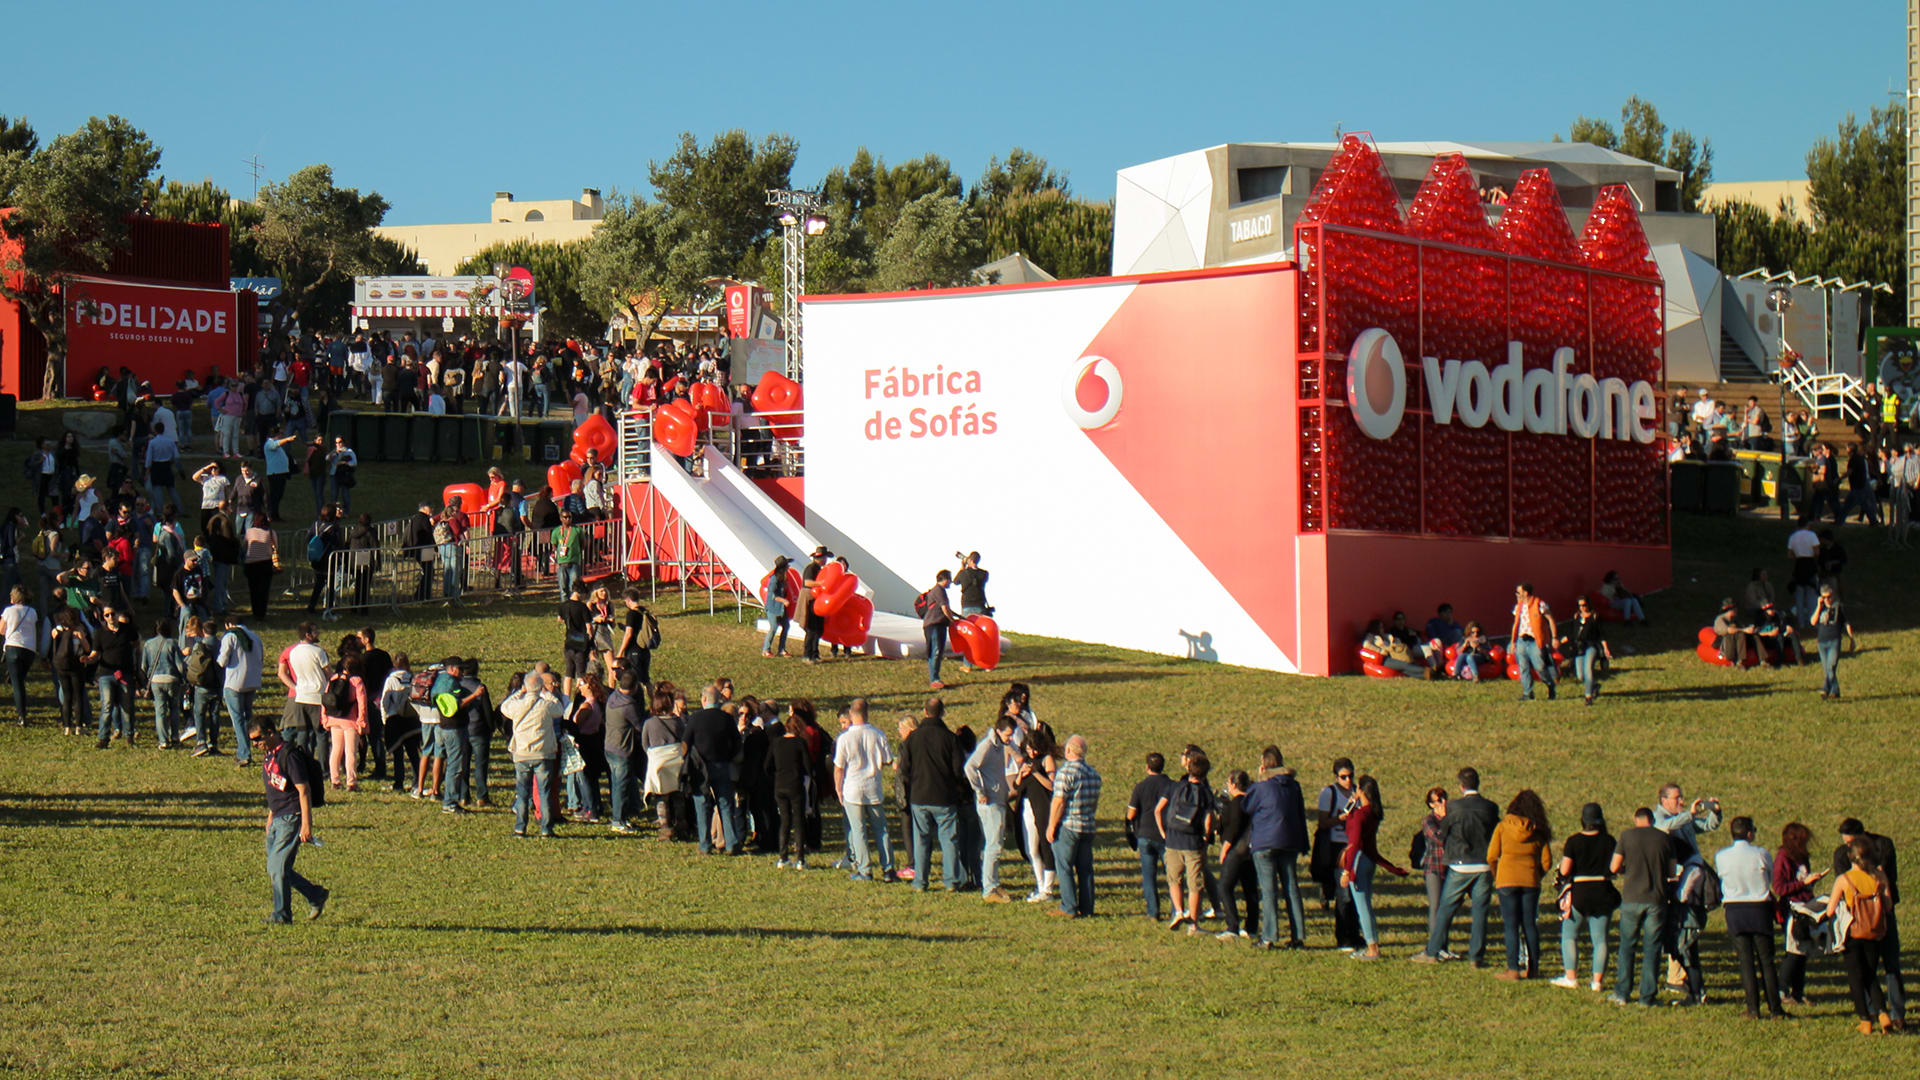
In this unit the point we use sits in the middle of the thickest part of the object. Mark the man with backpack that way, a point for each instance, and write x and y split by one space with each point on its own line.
639 637
241 658
935 616
323 539
294 790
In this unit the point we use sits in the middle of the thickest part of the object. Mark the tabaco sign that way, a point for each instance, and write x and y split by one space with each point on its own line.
1459 378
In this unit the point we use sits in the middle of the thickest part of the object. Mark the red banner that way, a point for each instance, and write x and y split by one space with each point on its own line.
156 331
739 310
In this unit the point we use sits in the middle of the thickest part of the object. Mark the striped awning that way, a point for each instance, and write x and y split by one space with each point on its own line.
410 311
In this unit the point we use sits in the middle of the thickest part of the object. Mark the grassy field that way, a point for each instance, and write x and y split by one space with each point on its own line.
132 888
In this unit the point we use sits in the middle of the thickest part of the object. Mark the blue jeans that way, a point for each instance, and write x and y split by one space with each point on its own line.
1596 942
1152 852
866 823
993 828
1527 651
240 711
718 792
927 821
1830 667
479 754
1477 888
1275 869
203 703
166 711
620 782
450 571
116 706
283 843
1585 665
453 747
526 775
1643 927
776 624
1362 890
936 638
217 584
1520 921
566 575
1073 865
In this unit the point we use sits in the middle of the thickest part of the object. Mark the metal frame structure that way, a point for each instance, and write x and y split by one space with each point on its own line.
799 210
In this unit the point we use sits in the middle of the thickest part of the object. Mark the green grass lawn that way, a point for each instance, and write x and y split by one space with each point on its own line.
132 887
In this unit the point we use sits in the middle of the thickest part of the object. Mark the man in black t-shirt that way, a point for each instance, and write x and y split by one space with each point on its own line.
290 778
577 647
375 666
1144 828
1644 860
814 625
636 647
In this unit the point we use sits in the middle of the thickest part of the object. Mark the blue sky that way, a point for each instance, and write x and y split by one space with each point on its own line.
436 106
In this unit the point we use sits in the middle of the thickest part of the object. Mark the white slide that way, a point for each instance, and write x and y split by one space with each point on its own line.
747 530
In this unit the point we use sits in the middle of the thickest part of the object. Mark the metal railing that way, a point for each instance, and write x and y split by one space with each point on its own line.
1836 394
757 450
480 565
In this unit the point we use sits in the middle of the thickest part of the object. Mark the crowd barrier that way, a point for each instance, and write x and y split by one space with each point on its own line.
450 439
482 565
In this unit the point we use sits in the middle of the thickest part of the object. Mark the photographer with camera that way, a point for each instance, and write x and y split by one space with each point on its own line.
972 582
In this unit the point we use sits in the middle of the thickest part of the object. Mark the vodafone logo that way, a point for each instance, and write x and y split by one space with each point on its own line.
1092 392
1540 401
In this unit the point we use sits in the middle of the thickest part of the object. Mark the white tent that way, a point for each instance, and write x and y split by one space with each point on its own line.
1695 288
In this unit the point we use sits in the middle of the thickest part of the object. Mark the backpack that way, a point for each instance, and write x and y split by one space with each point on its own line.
337 698
442 533
420 691
649 630
316 548
1184 809
64 653
921 604
42 547
1869 912
1707 894
203 668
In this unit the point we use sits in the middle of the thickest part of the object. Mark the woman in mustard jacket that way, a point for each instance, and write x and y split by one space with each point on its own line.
1520 854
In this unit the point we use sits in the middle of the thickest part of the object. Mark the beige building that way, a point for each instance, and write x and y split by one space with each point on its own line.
442 247
1766 194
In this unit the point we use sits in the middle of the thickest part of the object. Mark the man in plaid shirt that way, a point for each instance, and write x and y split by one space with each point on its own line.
1076 794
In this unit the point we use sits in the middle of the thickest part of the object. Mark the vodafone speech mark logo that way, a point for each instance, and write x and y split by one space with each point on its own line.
1092 392
1541 401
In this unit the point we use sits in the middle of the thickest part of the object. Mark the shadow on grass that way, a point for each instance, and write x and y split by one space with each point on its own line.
701 932
1105 676
1704 693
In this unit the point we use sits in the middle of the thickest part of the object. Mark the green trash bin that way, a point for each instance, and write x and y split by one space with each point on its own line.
473 438
340 426
1721 493
394 437
366 437
446 438
1687 484
420 437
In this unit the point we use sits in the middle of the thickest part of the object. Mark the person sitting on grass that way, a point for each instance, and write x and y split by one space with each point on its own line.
1733 640
1395 655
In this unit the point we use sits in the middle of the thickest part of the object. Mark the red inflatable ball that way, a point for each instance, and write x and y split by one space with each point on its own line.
1708 650
850 623
674 428
560 477
1707 636
596 434
472 496
99 393
793 589
1607 612
709 403
964 637
986 657
1497 653
780 396
829 598
1370 663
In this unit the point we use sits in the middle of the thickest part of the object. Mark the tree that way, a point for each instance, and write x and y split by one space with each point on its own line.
206 203
71 201
1064 236
1644 135
1856 191
644 260
311 235
556 269
1748 237
935 242
16 137
724 188
1023 173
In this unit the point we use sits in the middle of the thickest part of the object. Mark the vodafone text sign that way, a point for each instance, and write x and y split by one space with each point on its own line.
1541 401
156 331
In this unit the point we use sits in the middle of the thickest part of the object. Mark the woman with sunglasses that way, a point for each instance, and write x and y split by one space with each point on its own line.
1587 645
